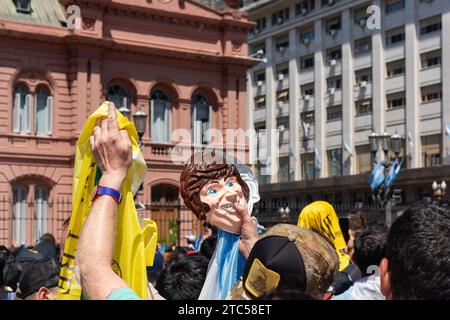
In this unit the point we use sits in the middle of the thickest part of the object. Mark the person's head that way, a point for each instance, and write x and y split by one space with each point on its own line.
417 263
288 257
183 278
48 238
4 253
320 217
286 295
39 281
357 223
370 247
211 189
208 246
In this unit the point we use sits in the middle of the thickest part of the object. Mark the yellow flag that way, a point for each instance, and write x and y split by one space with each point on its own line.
134 247
320 217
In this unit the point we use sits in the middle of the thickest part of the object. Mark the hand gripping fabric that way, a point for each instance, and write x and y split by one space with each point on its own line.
133 247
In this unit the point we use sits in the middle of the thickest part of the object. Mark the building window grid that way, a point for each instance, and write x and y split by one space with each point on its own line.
394 6
363 107
334 113
431 93
431 59
363 46
307 62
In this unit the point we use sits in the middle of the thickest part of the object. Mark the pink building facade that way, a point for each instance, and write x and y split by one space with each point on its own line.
181 62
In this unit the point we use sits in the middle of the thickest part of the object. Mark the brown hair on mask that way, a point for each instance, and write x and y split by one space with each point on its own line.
197 175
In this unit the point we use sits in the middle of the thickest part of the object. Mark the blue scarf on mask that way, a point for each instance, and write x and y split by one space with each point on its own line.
231 262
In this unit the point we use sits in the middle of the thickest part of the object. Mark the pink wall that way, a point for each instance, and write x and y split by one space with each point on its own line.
181 47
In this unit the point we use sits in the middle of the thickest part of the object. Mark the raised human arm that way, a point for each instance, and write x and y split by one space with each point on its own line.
112 152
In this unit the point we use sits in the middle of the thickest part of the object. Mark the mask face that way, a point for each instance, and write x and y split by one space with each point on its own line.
221 195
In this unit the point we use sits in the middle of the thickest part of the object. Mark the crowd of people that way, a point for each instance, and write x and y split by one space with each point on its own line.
313 260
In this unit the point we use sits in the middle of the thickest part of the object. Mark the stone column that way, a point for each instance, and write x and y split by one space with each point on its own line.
348 101
294 112
412 61
446 82
319 100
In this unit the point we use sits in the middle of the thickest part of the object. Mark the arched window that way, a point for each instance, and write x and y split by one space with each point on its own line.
201 119
20 208
44 109
41 198
119 96
164 193
161 116
21 109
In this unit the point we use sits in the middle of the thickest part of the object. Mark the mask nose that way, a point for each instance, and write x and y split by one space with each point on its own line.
231 196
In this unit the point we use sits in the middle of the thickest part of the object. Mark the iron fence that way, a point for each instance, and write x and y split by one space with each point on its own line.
284 212
174 220
24 222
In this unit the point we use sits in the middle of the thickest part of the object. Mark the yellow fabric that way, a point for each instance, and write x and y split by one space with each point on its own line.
320 217
129 257
261 279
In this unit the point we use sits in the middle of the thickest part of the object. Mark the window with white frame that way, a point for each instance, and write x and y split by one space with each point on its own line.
308 166
280 17
395 68
201 119
282 44
304 7
119 96
335 162
20 215
307 36
307 90
394 6
430 25
395 36
22 109
334 83
161 116
396 100
363 75
307 62
333 25
431 150
363 45
431 59
363 107
41 198
334 113
44 111
334 54
23 6
431 93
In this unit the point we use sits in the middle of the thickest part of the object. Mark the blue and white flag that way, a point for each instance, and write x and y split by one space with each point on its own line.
410 140
447 129
377 176
292 153
316 151
198 242
347 148
393 173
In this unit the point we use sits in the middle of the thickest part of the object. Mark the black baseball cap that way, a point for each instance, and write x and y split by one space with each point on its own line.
288 257
42 273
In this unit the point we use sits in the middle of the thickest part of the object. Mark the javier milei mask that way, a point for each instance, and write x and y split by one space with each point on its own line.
211 188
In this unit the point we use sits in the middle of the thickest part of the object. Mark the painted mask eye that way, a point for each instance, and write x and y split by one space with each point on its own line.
212 191
230 184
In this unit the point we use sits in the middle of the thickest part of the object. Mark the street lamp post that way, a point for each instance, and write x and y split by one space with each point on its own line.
386 143
125 111
140 121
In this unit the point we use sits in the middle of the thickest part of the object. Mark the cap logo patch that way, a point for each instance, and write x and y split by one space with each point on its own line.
261 279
